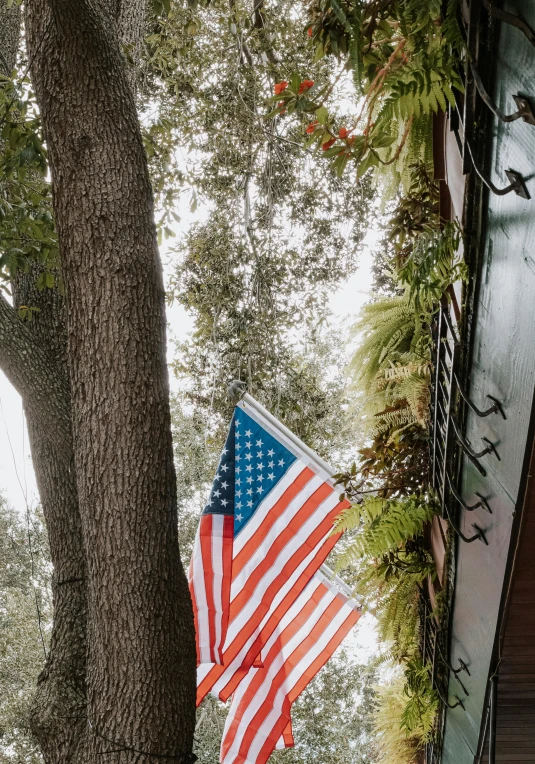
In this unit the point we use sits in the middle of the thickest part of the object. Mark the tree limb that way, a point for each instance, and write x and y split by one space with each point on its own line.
34 375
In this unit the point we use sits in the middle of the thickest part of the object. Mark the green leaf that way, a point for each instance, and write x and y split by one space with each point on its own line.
295 81
322 115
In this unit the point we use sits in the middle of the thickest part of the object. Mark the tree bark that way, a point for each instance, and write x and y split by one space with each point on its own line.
33 356
141 647
59 719
10 18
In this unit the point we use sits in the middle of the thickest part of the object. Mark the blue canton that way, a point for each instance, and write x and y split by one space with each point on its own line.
251 465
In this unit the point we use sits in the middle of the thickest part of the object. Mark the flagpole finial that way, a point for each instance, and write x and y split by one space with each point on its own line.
236 389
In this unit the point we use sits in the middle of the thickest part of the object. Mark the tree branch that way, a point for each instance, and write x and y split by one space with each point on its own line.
34 375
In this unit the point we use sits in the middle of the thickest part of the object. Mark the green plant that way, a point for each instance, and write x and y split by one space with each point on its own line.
27 233
384 525
403 58
395 746
390 329
406 711
384 542
419 714
432 265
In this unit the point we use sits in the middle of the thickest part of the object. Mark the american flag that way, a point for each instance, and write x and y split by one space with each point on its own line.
263 534
259 717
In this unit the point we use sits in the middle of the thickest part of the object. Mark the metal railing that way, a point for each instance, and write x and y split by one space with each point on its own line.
445 359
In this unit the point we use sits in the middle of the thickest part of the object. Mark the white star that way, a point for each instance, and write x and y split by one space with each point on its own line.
260 466
236 424
238 493
238 481
248 445
238 505
260 455
224 485
238 458
281 463
260 478
271 476
249 479
249 491
209 503
224 502
260 489
271 465
248 456
238 434
258 443
225 450
271 452
239 518
217 477
238 470
248 433
217 493
249 503
224 467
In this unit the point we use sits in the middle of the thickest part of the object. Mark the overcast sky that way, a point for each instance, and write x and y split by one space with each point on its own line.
17 479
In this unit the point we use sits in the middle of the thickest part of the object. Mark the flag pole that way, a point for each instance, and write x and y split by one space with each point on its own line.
332 576
248 400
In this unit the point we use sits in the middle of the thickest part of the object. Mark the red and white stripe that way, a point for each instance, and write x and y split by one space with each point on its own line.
210 574
242 651
286 528
286 740
307 636
290 526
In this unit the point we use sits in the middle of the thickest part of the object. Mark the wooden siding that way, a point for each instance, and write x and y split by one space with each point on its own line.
502 365
515 719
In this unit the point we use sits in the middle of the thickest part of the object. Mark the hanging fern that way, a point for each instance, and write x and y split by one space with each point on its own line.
383 525
420 711
432 265
395 745
388 326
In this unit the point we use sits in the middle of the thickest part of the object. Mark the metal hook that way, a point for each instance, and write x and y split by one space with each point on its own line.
480 534
462 667
517 181
512 19
524 112
447 703
473 455
456 672
495 409
469 507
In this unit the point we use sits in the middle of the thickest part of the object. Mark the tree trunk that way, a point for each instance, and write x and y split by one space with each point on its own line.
33 356
59 719
141 647
9 35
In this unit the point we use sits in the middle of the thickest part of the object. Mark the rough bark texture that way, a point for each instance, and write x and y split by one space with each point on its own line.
9 35
33 356
141 650
59 719
34 374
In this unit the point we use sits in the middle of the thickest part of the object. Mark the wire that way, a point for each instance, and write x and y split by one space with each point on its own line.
121 747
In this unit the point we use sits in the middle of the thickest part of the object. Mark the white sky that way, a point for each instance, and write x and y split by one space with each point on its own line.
17 478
